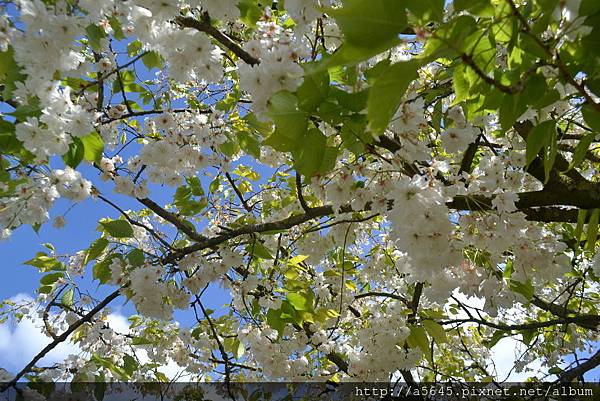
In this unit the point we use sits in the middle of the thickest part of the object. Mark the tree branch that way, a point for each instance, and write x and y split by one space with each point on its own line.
300 195
204 25
173 219
569 375
238 193
584 320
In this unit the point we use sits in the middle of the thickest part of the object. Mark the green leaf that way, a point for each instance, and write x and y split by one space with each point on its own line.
152 59
93 146
528 335
374 72
250 12
555 370
481 8
260 127
354 134
195 185
161 377
591 117
108 364
550 153
367 23
95 34
581 150
9 142
525 289
95 249
460 83
538 137
99 388
291 122
530 46
240 350
592 233
509 111
134 48
257 249
129 364
46 289
497 336
387 92
214 185
355 102
75 154
275 320
44 262
184 201
301 301
27 110
436 331
581 215
101 271
51 278
309 158
427 10
67 298
141 341
10 72
313 90
136 257
115 24
249 144
418 338
118 228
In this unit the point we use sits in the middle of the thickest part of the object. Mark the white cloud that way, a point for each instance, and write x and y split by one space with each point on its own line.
506 351
20 342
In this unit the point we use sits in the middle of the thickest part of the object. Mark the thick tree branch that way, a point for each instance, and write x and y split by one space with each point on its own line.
584 320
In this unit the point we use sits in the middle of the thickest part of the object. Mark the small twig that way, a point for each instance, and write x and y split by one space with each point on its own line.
238 193
136 223
300 195
220 345
204 25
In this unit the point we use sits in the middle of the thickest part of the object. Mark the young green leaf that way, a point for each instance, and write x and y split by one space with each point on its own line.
118 228
418 338
539 137
592 233
67 298
436 331
95 249
581 150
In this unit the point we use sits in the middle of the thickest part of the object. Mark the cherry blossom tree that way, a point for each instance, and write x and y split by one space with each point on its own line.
354 174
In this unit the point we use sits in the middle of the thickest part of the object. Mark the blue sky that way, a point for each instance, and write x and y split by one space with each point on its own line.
82 218
79 232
